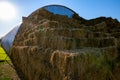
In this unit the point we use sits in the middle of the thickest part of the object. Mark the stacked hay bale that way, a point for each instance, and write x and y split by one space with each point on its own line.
55 47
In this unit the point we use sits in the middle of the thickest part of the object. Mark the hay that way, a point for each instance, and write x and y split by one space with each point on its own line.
55 47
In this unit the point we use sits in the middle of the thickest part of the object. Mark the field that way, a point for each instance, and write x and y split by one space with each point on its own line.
6 71
3 55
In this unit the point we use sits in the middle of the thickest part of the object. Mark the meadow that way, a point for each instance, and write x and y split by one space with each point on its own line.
6 71
3 55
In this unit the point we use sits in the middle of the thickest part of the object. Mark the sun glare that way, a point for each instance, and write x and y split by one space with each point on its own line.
7 11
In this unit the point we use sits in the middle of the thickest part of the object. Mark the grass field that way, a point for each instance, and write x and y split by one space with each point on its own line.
3 55
6 71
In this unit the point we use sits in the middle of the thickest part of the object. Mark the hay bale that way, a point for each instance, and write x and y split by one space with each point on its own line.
85 65
54 47
95 42
97 34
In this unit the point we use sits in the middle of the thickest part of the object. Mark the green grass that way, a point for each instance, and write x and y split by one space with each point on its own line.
6 72
3 55
5 78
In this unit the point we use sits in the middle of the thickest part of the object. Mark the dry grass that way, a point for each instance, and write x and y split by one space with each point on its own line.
7 72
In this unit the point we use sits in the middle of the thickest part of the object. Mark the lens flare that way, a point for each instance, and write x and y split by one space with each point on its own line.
7 11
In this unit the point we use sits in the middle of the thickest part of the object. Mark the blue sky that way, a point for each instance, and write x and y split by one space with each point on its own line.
87 9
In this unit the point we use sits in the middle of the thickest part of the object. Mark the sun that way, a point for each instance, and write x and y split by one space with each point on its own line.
7 11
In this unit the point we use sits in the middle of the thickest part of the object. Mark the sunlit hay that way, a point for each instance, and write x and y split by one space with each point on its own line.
21 62
99 27
59 62
79 33
82 65
55 47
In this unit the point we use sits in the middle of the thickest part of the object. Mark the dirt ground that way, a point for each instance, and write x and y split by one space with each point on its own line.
7 72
